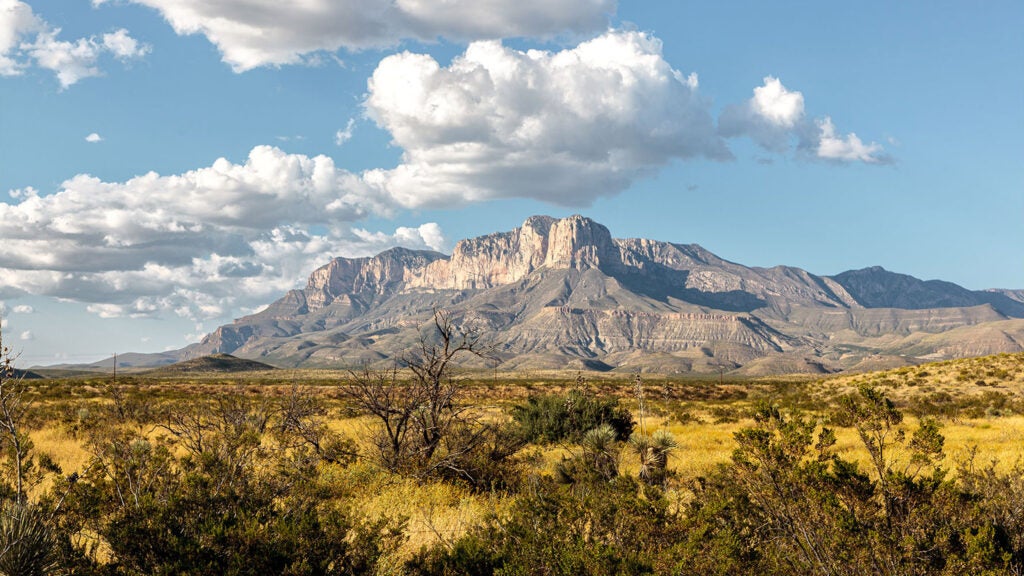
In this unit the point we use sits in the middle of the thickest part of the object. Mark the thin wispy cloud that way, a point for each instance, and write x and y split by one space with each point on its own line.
345 134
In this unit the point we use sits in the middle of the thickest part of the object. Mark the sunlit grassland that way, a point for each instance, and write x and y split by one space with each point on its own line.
978 402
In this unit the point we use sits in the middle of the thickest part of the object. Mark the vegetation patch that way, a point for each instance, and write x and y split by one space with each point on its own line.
428 471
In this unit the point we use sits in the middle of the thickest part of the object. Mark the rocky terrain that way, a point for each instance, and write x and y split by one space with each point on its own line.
565 294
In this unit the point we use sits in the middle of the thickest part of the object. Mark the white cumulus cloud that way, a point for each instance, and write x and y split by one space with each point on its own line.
27 335
73 61
775 119
93 138
27 39
777 105
264 33
198 244
565 127
16 22
23 309
123 46
847 148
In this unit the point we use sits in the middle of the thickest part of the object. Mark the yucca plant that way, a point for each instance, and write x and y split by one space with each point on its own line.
27 543
653 452
601 452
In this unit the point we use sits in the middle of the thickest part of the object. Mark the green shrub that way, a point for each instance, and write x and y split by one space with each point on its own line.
606 528
545 419
482 457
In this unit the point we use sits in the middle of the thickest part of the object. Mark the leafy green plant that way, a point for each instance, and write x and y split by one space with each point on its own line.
545 419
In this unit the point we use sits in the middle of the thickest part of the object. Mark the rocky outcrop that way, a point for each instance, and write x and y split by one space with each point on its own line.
562 292
504 258
380 275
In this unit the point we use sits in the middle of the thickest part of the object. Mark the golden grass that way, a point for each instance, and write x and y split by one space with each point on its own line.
962 377
702 445
434 511
440 512
67 451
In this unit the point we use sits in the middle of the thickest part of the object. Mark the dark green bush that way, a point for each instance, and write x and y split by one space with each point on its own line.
545 419
481 457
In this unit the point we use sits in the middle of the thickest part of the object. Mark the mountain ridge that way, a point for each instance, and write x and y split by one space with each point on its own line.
564 292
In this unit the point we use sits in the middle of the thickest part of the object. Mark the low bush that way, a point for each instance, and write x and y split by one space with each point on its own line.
545 419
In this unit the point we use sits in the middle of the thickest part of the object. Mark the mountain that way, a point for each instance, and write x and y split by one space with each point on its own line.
566 294
878 288
217 363
132 360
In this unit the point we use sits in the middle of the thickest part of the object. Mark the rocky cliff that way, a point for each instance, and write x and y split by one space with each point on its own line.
563 293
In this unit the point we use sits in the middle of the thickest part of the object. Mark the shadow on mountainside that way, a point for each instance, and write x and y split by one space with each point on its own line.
661 283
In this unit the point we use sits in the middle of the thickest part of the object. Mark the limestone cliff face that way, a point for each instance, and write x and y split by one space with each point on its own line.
555 291
504 258
384 273
659 269
578 242
477 263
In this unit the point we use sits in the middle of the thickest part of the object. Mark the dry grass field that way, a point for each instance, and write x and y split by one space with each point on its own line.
978 402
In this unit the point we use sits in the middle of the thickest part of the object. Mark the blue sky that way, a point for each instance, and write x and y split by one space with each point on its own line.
169 165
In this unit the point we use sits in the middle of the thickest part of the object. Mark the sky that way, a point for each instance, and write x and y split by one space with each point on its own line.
167 166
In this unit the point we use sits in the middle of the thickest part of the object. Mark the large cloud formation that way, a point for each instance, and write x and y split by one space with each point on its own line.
565 127
251 33
198 243
27 39
774 118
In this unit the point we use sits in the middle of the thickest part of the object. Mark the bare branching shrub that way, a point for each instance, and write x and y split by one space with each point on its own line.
17 447
302 425
422 427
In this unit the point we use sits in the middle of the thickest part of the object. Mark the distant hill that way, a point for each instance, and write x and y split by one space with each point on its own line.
557 293
216 363
27 374
127 361
876 287
960 377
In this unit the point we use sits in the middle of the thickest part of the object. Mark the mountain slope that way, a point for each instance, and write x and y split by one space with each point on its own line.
556 293
878 288
566 294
